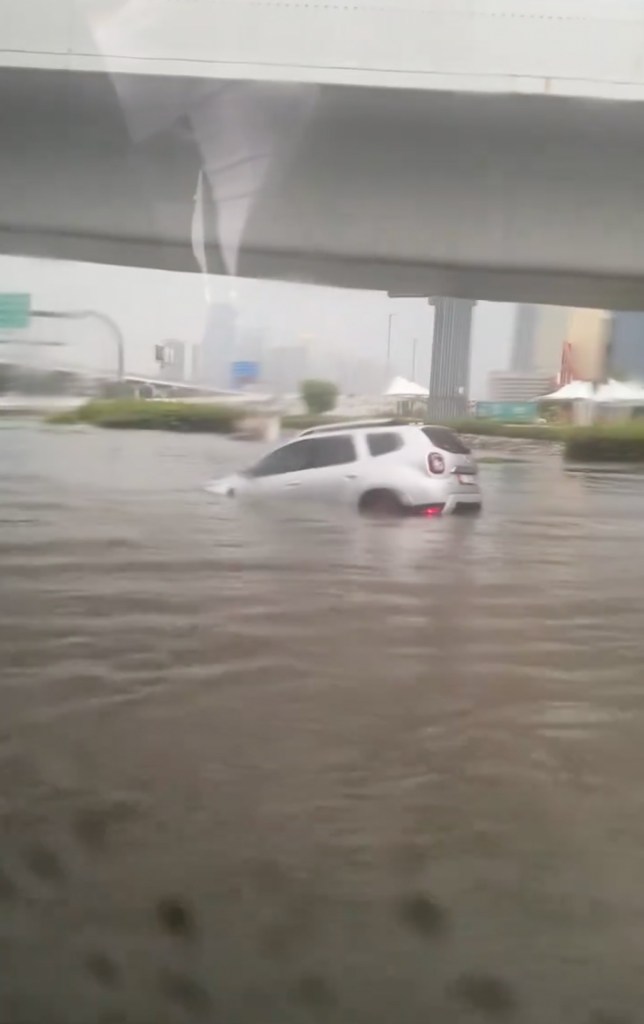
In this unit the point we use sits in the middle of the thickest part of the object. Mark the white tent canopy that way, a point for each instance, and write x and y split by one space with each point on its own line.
613 392
573 392
620 392
400 387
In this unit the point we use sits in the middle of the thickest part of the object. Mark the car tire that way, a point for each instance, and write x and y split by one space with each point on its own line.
381 504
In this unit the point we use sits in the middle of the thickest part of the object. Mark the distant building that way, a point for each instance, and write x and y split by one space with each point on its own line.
551 333
357 376
520 387
626 346
523 343
251 344
543 332
539 336
449 381
251 349
173 366
286 366
195 364
218 348
587 335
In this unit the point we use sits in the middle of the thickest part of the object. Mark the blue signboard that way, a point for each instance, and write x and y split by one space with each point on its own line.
243 373
507 412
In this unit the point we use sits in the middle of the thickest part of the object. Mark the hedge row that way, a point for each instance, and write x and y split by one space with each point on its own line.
602 442
516 431
620 442
139 414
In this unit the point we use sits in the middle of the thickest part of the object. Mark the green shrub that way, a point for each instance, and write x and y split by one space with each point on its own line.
602 442
64 419
618 442
518 431
319 395
138 414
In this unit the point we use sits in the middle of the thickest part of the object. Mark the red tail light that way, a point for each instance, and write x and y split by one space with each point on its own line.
436 463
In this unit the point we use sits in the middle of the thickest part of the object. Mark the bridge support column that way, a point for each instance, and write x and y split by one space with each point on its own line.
450 370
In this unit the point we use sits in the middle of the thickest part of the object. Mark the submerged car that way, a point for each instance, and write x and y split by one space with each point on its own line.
382 467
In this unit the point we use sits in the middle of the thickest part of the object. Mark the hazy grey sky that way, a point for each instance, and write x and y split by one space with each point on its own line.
151 306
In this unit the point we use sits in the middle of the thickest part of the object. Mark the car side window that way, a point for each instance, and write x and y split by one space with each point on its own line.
334 451
383 444
292 458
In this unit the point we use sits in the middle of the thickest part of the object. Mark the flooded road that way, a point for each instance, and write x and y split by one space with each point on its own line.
271 769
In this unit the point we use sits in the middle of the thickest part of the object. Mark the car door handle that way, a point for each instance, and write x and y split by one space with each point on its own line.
293 485
351 476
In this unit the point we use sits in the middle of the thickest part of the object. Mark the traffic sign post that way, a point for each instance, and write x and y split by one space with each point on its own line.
15 311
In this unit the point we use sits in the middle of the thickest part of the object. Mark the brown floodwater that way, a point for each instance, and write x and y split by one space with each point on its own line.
272 768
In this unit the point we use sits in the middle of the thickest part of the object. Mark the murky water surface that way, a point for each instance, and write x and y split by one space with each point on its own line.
263 768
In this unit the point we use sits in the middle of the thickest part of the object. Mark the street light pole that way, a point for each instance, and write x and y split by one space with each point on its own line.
91 314
390 320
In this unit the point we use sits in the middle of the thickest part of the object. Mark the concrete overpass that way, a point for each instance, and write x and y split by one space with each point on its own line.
492 151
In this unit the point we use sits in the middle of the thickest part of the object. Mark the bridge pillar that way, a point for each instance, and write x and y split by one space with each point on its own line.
450 369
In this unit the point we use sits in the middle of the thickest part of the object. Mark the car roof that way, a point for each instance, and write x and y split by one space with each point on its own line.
335 428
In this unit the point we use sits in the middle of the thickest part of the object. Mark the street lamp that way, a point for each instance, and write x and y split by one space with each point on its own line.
390 320
91 314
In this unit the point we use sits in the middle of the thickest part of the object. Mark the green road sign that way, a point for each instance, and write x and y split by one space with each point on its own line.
508 412
15 310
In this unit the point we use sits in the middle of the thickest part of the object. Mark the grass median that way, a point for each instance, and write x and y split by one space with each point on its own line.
473 426
601 442
140 414
513 431
614 442
607 442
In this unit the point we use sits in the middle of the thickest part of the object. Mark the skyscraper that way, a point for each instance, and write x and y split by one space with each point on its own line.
522 355
449 380
551 333
587 336
173 367
286 366
218 346
195 364
251 344
626 346
541 333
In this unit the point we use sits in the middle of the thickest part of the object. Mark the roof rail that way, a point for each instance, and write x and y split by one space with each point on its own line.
353 425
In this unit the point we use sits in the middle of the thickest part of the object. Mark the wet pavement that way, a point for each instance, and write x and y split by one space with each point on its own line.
263 768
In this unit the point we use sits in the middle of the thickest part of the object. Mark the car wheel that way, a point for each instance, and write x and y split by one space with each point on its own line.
381 503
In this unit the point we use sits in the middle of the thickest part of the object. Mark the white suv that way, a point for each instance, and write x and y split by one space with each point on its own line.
379 466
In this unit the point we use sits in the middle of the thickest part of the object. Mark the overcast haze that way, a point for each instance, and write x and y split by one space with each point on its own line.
339 326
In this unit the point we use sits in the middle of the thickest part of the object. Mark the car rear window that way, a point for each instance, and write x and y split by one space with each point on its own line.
383 443
446 440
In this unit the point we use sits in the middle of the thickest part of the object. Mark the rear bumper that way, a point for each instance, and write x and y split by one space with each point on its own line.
455 504
460 503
